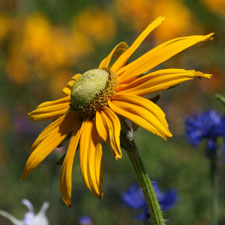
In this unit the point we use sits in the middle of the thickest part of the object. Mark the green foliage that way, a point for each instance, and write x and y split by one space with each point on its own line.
221 99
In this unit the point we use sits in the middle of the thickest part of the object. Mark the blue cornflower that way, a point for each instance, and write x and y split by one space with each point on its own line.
207 125
85 220
135 199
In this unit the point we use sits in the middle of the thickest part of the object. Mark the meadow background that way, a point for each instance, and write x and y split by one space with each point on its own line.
44 42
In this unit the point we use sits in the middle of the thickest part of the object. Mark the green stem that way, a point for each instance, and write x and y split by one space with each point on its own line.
129 145
214 184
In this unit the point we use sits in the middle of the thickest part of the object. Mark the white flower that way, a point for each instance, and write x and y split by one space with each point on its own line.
29 218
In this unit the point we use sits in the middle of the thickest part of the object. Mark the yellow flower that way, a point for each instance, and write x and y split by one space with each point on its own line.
93 101
139 12
176 27
5 24
50 46
102 28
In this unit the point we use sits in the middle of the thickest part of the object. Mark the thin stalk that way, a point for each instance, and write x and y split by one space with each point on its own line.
155 212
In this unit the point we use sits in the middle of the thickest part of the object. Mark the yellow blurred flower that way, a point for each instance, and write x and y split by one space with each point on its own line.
51 47
58 82
81 44
37 36
217 6
173 26
96 24
5 25
17 69
137 12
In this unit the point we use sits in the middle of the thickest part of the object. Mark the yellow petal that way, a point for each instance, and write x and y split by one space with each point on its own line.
47 131
159 80
66 171
99 166
115 53
90 155
47 116
141 111
55 102
108 127
50 110
101 126
48 144
67 90
158 55
122 60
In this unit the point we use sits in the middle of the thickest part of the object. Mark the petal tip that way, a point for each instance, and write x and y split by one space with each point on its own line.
159 20
118 157
210 36
205 75
162 18
68 203
170 135
24 175
209 76
100 196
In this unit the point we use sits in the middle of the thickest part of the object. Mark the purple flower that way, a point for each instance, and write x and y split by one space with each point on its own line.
207 126
135 199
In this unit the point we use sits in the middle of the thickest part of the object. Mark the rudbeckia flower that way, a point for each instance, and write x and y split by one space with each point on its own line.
94 100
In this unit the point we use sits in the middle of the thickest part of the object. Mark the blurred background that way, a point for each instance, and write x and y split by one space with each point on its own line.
44 42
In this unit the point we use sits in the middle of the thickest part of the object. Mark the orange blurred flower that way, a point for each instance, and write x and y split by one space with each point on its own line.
216 85
217 6
5 25
17 69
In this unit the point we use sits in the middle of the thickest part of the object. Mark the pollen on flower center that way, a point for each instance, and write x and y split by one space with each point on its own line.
91 91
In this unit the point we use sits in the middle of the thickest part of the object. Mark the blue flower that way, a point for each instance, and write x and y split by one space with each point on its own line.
85 220
207 125
135 199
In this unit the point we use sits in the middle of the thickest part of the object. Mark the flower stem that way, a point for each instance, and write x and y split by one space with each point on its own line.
214 184
127 142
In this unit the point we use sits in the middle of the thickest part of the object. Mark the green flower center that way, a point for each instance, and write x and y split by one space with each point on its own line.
91 91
